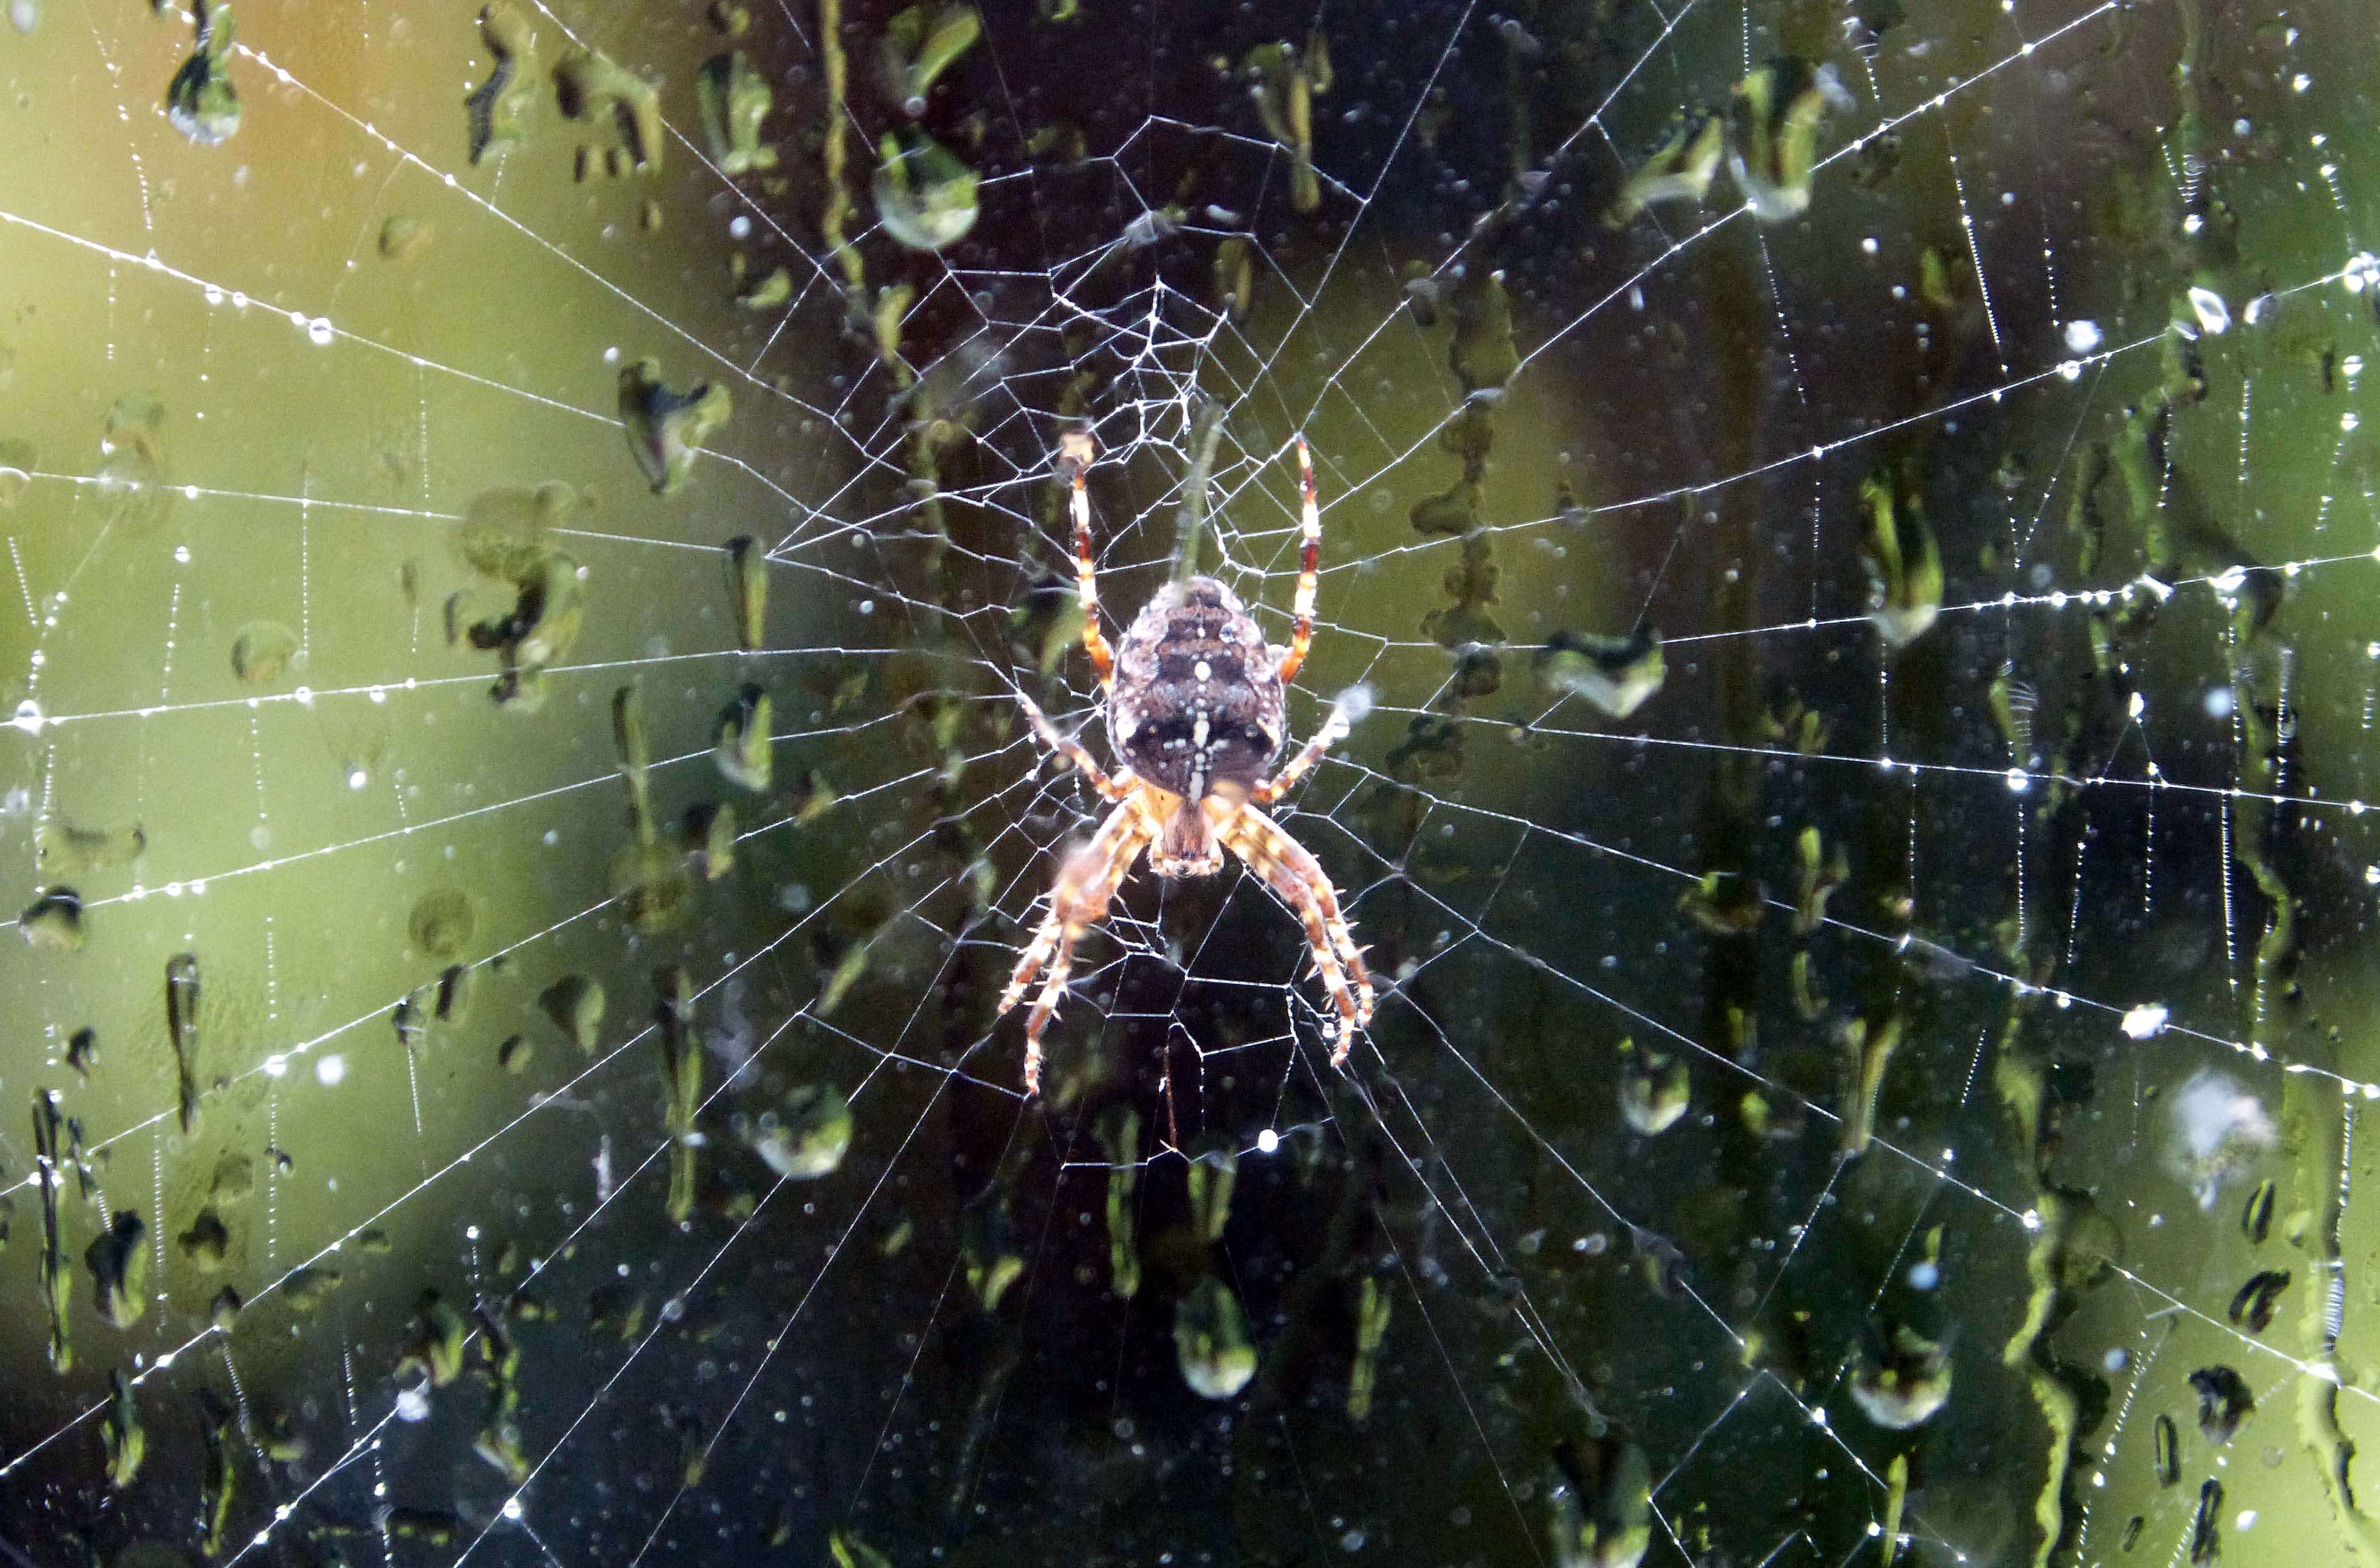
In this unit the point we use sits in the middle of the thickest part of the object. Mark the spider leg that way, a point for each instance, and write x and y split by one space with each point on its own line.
1108 788
1334 730
1077 456
1089 881
1294 873
1309 558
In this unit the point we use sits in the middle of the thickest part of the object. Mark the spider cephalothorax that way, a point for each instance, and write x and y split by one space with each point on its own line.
1196 716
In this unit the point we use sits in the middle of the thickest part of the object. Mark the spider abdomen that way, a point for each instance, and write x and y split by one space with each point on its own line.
1198 698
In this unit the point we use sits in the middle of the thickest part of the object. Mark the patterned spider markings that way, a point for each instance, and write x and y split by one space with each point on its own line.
1196 717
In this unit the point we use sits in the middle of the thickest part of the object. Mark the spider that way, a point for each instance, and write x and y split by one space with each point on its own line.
1196 716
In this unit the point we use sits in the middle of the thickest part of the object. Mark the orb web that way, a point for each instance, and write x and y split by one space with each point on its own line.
2001 933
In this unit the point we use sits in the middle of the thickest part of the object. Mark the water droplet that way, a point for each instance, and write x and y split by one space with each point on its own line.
2213 315
413 1403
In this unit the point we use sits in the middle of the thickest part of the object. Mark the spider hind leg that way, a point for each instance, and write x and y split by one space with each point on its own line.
1292 871
1084 887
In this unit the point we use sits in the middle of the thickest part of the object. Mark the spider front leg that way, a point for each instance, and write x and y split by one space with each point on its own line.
1108 789
1294 873
1301 637
1084 888
1075 455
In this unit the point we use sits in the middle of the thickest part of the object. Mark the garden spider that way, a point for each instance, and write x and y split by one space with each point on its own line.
1196 716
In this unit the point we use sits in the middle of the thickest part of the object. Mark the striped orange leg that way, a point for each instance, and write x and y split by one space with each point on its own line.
1295 874
1074 453
1084 886
1334 730
1110 789
1309 558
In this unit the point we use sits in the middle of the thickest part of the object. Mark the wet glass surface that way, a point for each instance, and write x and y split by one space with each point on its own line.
1844 619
